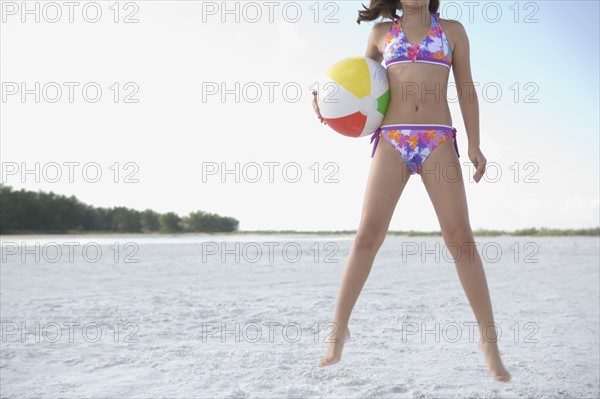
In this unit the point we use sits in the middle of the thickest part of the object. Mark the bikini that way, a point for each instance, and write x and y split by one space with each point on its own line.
415 142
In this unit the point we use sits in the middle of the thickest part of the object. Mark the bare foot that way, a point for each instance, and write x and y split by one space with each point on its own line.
493 362
334 349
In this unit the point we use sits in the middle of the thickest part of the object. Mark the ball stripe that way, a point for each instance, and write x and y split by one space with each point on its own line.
383 102
345 73
351 125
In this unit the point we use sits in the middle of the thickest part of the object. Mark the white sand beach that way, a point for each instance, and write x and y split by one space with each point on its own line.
177 310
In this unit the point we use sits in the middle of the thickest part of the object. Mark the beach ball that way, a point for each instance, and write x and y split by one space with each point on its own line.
354 96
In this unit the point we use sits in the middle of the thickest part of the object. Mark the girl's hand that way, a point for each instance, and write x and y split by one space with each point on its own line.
479 161
316 107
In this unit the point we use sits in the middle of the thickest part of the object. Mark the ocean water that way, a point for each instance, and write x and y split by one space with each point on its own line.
248 317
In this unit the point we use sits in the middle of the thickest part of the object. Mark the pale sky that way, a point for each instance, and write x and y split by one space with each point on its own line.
544 126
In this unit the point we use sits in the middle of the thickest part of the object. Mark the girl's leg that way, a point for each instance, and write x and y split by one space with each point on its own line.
443 180
387 178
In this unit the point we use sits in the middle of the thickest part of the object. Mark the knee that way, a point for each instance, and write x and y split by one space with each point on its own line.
460 235
369 238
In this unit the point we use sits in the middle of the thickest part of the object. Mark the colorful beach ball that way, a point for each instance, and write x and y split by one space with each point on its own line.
354 96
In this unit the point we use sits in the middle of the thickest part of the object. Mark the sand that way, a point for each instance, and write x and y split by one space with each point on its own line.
178 310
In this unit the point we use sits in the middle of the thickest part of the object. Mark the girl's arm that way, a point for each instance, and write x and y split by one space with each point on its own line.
373 42
469 105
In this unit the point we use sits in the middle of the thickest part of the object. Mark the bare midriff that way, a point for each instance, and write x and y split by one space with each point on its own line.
418 94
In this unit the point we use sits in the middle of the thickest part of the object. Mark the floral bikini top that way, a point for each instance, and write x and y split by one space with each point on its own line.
434 49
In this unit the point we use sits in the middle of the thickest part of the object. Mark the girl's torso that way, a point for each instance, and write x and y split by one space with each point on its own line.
418 74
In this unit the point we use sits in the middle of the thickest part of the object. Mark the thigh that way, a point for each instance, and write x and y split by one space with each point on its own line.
442 176
388 176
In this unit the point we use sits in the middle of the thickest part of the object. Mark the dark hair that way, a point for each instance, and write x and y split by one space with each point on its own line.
387 9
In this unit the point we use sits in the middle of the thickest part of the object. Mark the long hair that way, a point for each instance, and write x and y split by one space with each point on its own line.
387 9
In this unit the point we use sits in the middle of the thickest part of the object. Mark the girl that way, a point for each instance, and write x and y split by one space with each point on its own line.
419 49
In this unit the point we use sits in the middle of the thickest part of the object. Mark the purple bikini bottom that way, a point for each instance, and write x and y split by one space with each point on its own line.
414 142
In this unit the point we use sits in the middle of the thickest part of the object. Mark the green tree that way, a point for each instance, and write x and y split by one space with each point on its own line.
209 222
30 211
127 220
170 223
150 220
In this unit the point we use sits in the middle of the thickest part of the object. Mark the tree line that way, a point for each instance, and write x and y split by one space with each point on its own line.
26 211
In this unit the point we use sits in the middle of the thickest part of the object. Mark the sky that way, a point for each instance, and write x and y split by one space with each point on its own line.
187 105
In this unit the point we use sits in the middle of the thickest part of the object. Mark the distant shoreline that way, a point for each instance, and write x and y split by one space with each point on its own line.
542 232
